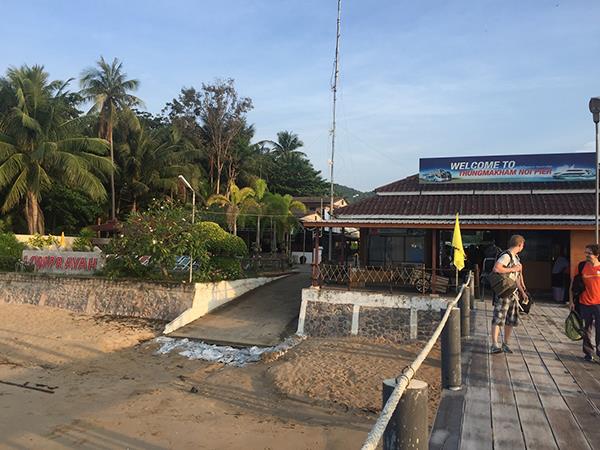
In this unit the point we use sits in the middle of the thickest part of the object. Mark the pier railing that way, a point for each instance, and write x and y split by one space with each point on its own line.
409 427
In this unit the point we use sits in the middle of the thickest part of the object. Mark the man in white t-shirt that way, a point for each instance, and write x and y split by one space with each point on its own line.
506 309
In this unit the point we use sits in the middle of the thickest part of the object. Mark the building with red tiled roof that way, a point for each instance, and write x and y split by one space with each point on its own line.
408 221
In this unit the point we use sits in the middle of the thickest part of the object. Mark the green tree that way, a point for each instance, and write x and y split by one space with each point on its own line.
238 201
37 144
109 89
287 144
215 116
281 208
150 161
287 169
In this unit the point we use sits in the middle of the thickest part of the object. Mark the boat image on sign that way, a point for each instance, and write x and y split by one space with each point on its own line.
573 173
438 176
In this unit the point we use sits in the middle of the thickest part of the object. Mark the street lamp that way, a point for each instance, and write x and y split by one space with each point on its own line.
595 110
189 186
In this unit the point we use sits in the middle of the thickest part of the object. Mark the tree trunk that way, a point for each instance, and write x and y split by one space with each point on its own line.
274 237
33 214
112 172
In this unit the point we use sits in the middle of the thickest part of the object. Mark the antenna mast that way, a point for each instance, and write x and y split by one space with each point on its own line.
334 89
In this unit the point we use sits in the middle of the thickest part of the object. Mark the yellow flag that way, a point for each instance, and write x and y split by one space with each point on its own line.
62 239
459 252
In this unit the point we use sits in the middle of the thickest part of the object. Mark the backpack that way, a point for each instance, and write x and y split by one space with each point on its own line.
574 326
501 283
577 286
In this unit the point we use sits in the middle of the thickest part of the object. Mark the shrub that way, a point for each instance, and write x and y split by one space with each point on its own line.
151 242
10 251
39 242
224 268
83 242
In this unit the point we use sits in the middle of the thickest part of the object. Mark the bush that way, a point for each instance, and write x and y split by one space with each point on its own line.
151 242
39 242
83 242
219 242
224 268
10 251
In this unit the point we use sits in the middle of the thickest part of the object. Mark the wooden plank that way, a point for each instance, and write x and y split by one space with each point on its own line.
534 423
564 427
445 434
505 417
586 375
582 409
477 430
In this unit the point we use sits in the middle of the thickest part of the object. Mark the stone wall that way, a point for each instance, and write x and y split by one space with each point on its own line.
326 319
398 317
163 301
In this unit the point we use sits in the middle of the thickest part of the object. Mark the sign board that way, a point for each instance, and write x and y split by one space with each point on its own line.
508 168
52 261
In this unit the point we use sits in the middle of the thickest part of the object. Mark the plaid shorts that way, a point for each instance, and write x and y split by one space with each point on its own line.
506 310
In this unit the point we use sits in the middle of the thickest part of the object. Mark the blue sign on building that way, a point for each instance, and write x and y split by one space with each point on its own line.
508 168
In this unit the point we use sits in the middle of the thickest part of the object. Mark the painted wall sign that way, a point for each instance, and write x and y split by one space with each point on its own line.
508 168
64 262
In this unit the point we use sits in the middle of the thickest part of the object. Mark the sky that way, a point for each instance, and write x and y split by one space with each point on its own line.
417 78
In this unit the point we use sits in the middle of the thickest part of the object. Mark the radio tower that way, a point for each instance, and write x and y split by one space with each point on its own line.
334 89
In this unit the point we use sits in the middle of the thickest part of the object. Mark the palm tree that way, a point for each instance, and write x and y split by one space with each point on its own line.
260 206
108 88
151 161
38 145
286 145
282 209
238 201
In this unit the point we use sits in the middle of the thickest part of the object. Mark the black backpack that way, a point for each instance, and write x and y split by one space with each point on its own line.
577 286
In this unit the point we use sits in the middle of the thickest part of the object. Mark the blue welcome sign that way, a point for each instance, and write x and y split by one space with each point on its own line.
508 168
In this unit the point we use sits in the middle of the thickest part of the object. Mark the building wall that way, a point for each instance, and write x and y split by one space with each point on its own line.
579 239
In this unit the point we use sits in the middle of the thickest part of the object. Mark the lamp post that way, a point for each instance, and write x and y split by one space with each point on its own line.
189 186
595 110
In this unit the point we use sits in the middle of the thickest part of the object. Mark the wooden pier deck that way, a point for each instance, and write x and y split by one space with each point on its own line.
543 396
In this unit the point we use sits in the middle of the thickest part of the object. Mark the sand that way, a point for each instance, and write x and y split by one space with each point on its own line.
112 391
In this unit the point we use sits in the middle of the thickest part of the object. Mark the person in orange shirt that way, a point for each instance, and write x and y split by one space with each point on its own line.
589 302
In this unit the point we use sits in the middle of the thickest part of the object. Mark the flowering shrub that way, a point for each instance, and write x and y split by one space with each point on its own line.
152 240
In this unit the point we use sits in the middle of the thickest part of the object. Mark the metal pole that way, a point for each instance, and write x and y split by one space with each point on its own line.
408 427
451 368
191 245
471 288
597 180
477 283
465 312
334 89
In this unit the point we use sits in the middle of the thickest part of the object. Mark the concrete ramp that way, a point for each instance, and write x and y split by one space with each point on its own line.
261 317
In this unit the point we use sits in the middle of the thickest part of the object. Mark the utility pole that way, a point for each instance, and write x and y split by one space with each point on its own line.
334 89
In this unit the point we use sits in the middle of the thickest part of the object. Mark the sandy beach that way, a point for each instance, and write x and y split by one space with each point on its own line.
111 389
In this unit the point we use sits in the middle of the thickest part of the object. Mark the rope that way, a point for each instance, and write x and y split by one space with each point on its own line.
404 379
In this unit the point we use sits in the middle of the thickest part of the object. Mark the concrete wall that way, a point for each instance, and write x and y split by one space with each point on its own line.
331 312
209 296
175 302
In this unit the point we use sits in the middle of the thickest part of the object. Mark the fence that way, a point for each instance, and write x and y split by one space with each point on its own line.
450 370
402 276
266 264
